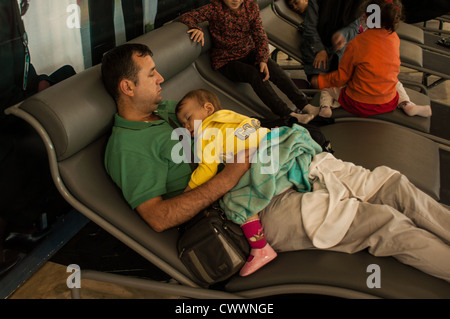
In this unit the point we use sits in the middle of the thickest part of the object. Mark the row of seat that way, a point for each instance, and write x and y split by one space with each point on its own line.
418 49
74 119
283 26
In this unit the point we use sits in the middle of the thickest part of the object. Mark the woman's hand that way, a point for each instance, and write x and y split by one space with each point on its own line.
197 36
321 59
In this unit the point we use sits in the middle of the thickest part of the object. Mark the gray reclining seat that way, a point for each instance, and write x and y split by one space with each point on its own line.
426 40
74 119
284 34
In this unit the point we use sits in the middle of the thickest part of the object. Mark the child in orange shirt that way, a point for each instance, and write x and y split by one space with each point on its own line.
366 81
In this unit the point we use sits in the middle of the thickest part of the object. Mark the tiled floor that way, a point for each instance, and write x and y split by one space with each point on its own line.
49 282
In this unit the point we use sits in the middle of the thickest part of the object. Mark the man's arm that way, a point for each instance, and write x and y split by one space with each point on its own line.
163 214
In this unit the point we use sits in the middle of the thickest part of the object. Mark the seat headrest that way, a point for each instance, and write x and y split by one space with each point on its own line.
78 110
74 112
264 3
172 48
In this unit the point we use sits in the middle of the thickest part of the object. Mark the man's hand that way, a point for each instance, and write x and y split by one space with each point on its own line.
197 36
321 59
263 68
162 214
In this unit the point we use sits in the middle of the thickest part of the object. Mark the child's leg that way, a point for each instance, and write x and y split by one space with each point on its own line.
261 252
409 107
329 100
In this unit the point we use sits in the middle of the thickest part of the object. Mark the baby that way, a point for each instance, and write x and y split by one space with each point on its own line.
222 134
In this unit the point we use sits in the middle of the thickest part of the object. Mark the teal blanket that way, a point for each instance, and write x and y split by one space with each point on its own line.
282 161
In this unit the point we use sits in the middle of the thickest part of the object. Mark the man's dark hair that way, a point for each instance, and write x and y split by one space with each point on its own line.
118 64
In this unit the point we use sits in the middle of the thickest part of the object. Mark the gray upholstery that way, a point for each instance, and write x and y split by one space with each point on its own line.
281 9
70 129
410 32
282 35
411 53
418 161
74 119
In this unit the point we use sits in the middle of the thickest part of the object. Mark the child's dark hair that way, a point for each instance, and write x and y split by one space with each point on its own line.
202 96
391 12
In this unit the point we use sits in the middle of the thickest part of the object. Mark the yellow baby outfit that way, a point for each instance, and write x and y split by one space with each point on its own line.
219 137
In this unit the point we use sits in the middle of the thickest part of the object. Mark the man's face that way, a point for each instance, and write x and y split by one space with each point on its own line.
147 91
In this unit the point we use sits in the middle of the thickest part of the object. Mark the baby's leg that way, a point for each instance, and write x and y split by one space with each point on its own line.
409 107
261 252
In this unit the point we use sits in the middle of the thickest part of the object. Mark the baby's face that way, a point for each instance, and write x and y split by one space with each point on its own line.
299 6
191 111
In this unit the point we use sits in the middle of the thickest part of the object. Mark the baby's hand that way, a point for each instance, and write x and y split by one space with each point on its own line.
197 36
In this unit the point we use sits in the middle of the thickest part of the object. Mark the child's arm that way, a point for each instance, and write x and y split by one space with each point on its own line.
343 74
310 32
259 37
203 173
345 35
193 18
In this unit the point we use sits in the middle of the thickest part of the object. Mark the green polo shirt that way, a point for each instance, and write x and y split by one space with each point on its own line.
139 158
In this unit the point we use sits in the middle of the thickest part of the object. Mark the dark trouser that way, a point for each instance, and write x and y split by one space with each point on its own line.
245 70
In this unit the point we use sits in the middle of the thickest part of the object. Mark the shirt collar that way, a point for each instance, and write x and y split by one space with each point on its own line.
138 125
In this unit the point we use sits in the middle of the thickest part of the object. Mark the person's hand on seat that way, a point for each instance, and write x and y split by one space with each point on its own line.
197 36
321 59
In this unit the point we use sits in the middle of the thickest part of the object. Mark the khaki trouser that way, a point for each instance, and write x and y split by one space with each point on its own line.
399 221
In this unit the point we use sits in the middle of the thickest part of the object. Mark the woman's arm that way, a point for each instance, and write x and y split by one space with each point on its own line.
343 74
